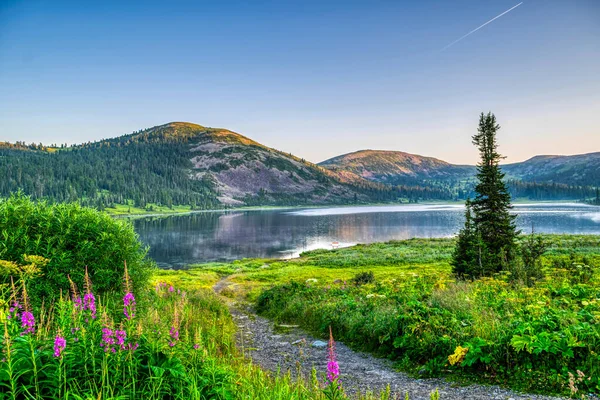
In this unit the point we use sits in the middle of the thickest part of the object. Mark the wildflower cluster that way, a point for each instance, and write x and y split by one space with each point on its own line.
129 305
59 345
27 322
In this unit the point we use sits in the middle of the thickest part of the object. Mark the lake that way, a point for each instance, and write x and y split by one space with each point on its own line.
178 240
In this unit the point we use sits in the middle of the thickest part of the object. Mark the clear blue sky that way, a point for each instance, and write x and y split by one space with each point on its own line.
315 78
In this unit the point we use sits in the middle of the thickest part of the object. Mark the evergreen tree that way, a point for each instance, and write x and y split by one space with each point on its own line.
466 259
487 243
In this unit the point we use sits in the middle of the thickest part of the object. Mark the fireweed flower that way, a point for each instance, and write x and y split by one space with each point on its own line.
77 303
120 337
333 369
107 340
129 306
130 347
174 333
89 303
171 289
59 345
13 311
27 322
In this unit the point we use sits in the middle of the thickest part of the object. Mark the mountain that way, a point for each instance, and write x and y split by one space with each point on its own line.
184 164
581 169
396 167
541 177
205 168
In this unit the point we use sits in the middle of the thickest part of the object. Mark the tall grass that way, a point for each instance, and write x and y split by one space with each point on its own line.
539 339
181 347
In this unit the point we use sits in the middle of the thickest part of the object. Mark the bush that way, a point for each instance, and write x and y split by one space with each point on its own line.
362 278
70 238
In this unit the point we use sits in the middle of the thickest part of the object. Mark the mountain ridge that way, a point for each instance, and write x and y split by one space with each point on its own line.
393 167
181 163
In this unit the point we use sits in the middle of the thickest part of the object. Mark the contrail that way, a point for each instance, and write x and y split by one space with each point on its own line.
478 28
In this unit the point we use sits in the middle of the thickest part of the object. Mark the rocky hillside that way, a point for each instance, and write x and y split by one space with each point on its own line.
183 164
396 167
246 172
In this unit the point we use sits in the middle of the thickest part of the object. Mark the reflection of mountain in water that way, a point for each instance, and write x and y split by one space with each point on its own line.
221 236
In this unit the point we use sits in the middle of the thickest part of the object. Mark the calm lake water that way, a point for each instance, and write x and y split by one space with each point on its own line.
223 236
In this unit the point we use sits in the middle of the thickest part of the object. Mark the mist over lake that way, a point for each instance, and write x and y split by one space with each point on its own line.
224 236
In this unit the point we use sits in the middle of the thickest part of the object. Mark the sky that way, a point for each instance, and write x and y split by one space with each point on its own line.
314 78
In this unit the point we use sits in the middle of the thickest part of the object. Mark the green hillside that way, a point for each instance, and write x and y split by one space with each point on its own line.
187 165
540 178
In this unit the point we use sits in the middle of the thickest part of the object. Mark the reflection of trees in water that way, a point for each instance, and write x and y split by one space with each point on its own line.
213 236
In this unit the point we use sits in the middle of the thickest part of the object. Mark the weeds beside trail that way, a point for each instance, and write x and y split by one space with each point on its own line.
181 347
289 349
411 310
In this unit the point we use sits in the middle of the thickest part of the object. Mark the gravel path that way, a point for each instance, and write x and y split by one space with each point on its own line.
287 347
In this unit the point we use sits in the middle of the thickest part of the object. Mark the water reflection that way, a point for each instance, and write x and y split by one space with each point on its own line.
224 236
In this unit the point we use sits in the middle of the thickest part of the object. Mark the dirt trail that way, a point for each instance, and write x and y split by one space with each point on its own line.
290 348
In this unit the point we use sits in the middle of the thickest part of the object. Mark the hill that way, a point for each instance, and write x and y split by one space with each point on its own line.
184 164
541 177
396 167
581 169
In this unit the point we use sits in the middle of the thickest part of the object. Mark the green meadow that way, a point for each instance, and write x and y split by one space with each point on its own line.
400 301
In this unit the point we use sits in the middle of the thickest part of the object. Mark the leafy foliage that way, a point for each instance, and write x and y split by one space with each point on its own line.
363 278
70 238
530 338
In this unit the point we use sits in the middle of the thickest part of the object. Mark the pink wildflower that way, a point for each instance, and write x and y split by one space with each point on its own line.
333 369
120 337
131 347
13 311
28 322
107 340
89 303
174 333
59 345
78 303
129 306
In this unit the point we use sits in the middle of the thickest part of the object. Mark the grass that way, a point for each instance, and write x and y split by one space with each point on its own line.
130 209
534 339
181 345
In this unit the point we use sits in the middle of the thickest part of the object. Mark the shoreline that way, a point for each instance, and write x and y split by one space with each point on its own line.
316 206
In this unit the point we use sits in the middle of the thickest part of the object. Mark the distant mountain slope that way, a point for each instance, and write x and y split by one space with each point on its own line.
247 172
581 169
184 164
396 167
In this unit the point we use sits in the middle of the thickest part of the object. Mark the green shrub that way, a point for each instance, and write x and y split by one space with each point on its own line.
71 238
362 278
530 338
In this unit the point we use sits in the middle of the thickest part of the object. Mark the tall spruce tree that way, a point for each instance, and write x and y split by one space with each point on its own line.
466 259
492 245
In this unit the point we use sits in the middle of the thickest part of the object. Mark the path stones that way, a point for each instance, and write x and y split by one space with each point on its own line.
319 344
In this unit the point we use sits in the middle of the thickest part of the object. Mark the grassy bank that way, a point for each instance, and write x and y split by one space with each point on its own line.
411 309
182 346
80 319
